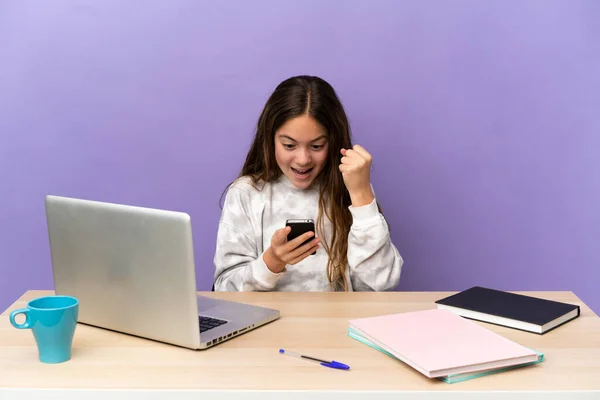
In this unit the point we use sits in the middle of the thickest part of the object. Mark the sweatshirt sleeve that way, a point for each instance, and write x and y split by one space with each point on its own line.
373 260
238 264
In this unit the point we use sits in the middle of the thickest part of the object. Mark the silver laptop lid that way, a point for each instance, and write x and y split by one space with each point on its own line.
132 268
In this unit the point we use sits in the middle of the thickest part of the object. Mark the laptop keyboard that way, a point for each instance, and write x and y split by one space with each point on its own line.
207 323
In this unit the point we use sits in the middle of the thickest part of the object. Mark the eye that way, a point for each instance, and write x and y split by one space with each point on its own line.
317 146
289 146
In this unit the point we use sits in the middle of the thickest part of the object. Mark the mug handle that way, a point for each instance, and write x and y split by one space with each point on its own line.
24 325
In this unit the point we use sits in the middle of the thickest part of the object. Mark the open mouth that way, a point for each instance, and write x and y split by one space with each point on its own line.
302 173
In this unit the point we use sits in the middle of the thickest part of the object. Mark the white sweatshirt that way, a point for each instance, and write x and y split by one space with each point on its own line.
250 217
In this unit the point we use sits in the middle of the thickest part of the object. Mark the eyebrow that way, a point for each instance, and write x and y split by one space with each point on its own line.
295 141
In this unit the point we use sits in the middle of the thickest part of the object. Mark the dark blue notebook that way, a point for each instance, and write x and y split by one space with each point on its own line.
509 309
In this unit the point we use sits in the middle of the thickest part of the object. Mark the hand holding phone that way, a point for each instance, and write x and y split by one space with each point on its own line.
284 251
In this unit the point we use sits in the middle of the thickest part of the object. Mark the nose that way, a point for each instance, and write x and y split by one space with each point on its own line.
303 157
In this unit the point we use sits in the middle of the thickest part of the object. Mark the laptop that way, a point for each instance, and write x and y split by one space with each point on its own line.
132 269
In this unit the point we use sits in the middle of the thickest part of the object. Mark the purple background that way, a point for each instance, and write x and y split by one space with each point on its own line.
482 118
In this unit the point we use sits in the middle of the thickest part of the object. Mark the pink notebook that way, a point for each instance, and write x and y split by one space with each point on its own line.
439 343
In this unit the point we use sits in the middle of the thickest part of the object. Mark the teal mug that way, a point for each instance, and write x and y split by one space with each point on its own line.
53 320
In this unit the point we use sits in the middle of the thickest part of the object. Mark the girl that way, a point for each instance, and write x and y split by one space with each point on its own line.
302 165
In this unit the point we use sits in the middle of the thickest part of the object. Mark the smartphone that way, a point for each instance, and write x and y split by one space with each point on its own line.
299 227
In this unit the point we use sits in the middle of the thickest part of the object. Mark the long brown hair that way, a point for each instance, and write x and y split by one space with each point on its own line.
310 95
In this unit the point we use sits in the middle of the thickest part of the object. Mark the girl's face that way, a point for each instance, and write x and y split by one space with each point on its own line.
301 150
